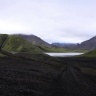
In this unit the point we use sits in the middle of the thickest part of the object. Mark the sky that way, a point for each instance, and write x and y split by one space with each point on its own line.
64 21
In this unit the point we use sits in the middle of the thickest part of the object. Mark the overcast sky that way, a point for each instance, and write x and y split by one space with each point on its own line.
52 20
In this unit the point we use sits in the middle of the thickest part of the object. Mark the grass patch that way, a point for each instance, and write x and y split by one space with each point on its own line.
90 54
1 55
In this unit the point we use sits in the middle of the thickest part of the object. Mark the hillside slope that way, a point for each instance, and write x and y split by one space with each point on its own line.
35 40
41 44
88 44
18 44
90 54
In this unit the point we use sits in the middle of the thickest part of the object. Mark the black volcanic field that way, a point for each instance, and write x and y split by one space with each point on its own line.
47 76
26 71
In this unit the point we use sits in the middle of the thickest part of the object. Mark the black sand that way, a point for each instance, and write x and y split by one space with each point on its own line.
33 78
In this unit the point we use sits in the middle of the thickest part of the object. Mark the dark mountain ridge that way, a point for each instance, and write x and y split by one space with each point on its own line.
85 45
23 41
88 44
65 45
34 40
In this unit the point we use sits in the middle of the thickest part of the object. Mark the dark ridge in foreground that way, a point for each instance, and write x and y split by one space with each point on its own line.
46 76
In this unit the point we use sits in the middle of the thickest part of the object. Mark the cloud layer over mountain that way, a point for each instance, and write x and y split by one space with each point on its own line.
52 20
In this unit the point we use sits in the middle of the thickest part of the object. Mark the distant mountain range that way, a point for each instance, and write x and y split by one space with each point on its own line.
34 44
65 45
86 45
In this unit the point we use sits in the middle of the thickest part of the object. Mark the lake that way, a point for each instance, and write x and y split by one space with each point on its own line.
64 54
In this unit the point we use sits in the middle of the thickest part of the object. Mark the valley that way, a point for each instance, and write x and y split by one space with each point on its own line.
26 71
47 76
47 48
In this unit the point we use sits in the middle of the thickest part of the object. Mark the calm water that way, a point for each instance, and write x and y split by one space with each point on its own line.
64 54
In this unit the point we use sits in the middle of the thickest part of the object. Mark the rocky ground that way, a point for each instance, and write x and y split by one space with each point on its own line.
72 77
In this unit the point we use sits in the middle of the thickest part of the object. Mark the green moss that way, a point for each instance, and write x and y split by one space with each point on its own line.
1 55
56 49
18 44
52 49
90 54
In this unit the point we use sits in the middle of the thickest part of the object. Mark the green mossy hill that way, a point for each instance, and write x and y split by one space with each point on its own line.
53 49
18 44
90 54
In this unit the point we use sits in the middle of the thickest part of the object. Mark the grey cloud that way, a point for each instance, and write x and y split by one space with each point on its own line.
52 20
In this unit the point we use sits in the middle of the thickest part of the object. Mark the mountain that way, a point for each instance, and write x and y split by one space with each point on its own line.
35 40
18 44
65 45
88 44
34 44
